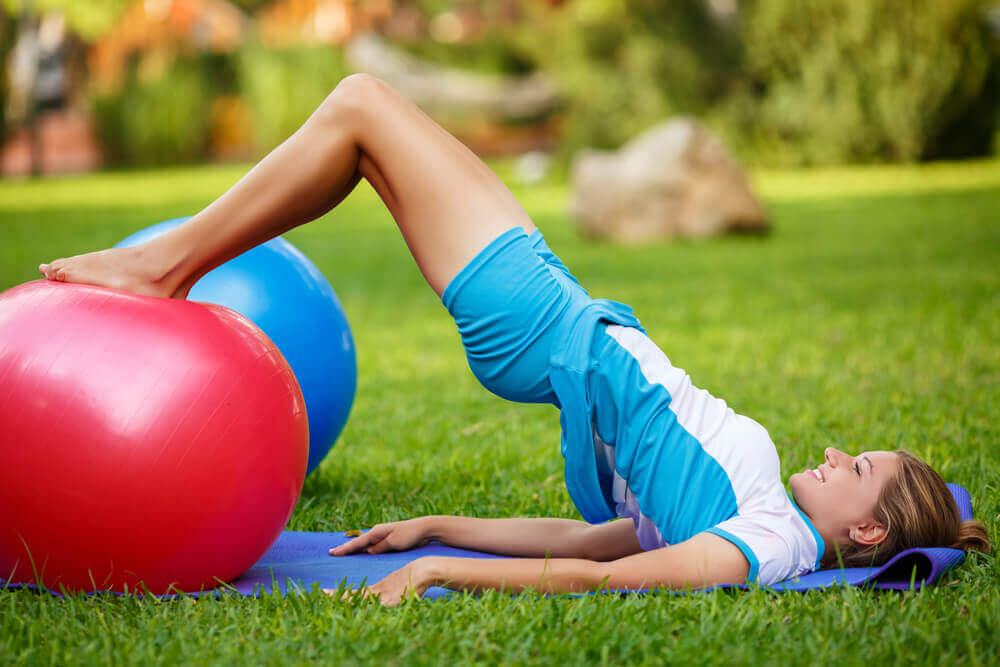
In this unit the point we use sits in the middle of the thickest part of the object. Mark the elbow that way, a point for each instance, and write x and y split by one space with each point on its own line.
606 541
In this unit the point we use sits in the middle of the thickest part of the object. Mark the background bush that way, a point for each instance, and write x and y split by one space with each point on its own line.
282 88
623 65
785 81
163 113
847 81
160 117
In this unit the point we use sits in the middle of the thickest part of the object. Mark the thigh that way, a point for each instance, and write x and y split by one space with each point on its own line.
448 204
510 304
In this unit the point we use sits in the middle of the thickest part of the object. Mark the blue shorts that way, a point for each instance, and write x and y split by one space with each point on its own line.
509 303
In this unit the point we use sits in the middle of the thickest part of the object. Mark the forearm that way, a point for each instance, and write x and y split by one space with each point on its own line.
545 575
538 538
700 562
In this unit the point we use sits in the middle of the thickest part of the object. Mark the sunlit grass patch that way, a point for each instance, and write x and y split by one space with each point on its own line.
868 318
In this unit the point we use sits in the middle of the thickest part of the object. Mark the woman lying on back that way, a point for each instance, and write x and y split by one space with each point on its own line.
696 486
575 556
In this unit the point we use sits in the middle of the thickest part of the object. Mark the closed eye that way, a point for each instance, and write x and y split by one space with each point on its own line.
857 468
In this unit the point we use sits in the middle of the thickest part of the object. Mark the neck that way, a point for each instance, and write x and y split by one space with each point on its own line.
827 536
831 542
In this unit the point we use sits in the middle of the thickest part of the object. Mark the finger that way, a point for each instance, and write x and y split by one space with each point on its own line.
356 544
345 548
381 547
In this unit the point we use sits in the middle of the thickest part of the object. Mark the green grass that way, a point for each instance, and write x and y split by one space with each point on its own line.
869 318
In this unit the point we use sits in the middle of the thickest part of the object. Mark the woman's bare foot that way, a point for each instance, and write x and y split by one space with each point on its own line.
139 270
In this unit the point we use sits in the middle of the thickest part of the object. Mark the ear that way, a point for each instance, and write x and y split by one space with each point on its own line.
869 533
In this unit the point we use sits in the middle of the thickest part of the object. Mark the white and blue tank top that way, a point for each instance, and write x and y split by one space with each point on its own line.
640 441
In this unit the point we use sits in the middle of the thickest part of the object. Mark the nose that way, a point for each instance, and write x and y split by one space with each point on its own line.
834 456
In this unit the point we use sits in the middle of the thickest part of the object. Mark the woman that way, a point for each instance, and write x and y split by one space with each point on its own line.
697 485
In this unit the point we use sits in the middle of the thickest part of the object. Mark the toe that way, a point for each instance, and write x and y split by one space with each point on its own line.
51 268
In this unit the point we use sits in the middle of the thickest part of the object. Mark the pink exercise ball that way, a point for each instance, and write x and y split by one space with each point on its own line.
144 442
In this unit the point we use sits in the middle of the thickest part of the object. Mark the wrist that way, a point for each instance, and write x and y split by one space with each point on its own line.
432 528
428 571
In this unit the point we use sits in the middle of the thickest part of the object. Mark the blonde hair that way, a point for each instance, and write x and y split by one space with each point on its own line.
918 510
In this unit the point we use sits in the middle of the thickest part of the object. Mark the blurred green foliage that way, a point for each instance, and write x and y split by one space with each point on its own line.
166 117
161 119
492 54
624 65
845 81
785 82
89 18
6 44
283 87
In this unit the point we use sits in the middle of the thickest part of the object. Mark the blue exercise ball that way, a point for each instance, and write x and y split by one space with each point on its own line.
277 288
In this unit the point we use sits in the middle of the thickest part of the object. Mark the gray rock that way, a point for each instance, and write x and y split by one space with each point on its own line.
674 180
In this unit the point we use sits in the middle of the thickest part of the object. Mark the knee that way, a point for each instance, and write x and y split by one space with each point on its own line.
361 86
354 98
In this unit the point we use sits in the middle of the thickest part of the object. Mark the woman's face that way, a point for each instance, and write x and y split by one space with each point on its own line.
840 495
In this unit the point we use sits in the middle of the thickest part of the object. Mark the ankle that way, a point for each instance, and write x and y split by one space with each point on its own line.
162 265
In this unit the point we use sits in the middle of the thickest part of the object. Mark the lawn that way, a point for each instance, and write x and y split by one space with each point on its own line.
869 318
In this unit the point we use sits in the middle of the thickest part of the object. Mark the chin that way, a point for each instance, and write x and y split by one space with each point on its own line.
795 482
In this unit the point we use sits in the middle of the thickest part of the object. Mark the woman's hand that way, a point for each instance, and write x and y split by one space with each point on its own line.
410 580
395 536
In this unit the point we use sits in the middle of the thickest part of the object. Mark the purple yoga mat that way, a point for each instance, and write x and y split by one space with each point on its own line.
300 560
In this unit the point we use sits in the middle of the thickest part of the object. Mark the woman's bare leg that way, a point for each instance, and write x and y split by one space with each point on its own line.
447 203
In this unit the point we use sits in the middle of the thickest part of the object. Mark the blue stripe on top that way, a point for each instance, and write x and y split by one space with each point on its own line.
742 546
569 365
677 484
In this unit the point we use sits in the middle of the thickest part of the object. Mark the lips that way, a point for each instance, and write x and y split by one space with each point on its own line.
818 474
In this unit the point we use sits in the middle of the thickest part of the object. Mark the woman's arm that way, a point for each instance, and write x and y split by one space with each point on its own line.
703 561
539 538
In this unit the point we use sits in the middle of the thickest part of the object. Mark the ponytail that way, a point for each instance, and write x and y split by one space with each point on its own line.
972 537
